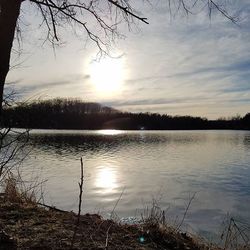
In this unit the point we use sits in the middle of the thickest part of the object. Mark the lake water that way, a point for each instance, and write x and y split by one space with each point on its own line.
141 166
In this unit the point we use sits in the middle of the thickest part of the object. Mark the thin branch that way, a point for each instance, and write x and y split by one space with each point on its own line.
53 22
52 208
224 12
79 204
128 12
186 210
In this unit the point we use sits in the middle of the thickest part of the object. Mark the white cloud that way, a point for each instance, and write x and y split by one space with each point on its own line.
187 65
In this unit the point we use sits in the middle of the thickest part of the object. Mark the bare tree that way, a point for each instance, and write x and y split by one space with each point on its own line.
55 13
12 142
107 15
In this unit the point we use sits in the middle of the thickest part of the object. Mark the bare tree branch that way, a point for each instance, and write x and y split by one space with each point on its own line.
128 12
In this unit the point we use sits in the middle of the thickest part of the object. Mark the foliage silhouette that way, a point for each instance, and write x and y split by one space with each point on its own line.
75 114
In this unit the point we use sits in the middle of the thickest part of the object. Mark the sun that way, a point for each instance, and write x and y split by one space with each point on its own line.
107 75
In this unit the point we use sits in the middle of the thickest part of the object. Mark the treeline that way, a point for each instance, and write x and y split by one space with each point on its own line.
76 114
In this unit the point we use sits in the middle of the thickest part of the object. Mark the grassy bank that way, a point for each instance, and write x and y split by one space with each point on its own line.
27 224
24 224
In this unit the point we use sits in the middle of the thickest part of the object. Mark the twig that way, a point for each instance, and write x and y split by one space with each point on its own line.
107 237
186 210
79 205
128 12
228 234
112 213
233 234
52 207
241 232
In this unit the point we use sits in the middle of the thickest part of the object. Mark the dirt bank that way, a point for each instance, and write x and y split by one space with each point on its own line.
30 226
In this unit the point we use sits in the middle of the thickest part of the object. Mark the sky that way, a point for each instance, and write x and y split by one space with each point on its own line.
176 65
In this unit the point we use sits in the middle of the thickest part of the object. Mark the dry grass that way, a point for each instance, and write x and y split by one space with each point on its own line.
27 225
235 235
15 191
33 227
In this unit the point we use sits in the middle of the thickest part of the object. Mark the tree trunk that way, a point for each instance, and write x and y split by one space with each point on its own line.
9 12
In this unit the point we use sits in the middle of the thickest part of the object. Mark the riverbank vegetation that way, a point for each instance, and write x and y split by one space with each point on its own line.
76 114
26 222
26 225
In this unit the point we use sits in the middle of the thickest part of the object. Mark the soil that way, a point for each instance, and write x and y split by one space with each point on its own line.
30 226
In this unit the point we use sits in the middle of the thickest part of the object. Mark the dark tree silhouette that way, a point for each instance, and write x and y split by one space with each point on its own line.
106 14
76 114
9 12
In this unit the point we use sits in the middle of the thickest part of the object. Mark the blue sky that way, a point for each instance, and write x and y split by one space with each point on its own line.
184 65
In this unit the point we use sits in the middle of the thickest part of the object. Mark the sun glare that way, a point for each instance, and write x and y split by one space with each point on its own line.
109 132
107 75
106 179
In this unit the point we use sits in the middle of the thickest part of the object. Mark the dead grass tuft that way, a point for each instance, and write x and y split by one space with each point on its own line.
16 192
34 227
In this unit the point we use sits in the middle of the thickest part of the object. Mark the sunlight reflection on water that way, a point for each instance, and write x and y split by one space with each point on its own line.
106 179
110 132
171 165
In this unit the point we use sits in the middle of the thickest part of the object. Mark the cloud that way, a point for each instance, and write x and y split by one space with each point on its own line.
182 64
53 88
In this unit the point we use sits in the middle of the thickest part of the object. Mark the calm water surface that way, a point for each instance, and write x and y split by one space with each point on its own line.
166 166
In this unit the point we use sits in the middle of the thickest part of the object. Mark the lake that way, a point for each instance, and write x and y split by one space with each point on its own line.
128 170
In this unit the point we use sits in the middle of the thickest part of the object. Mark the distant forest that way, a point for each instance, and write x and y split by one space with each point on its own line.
75 114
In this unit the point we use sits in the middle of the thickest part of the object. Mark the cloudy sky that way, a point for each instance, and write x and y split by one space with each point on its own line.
179 65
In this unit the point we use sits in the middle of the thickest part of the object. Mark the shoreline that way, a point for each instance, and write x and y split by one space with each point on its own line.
27 225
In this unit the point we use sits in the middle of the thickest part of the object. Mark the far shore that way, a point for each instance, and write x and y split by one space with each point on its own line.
79 115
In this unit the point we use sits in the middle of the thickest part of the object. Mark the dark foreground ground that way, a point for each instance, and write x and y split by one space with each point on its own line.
29 226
